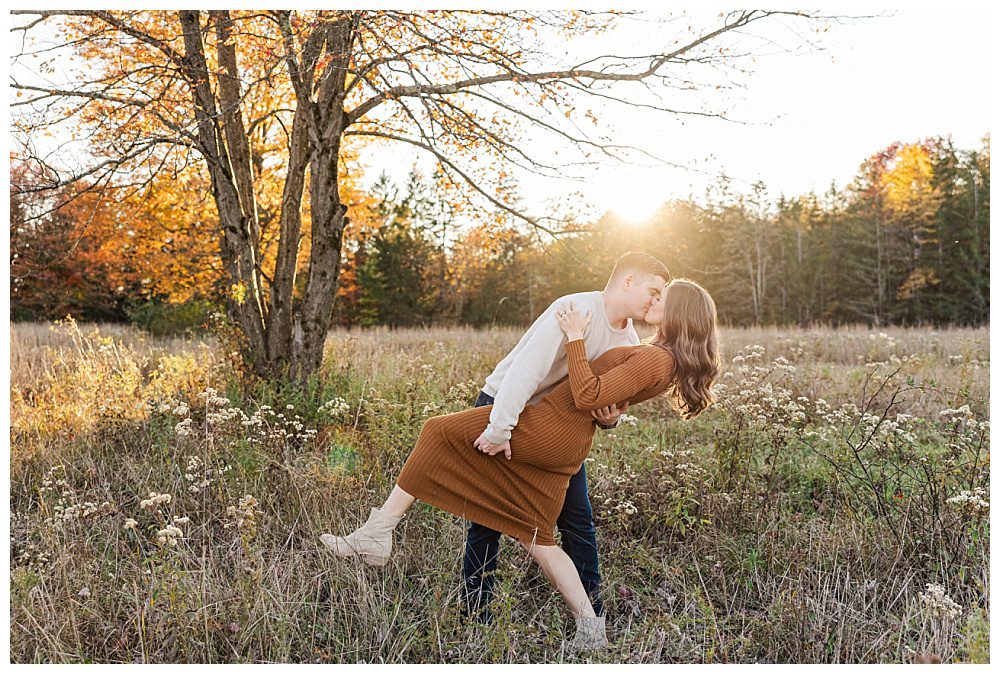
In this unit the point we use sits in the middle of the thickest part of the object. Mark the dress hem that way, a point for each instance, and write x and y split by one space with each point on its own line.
531 536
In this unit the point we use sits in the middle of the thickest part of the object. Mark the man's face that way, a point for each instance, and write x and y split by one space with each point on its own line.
655 314
641 293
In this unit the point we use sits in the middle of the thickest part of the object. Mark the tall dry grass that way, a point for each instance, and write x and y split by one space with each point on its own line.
762 531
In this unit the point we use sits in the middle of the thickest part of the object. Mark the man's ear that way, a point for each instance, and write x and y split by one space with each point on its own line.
628 280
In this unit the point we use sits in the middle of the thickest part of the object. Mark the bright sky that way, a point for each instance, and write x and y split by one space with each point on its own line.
809 118
803 119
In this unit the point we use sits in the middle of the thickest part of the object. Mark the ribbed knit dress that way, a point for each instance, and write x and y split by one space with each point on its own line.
522 496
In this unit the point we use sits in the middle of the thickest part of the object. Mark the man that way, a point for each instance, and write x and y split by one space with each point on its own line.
524 376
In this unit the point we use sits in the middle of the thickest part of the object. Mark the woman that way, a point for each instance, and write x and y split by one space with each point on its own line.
522 496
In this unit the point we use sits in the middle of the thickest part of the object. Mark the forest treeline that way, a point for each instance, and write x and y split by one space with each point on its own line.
905 243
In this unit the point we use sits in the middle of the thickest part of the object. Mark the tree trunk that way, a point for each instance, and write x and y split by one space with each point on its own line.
280 307
237 247
327 125
879 272
237 141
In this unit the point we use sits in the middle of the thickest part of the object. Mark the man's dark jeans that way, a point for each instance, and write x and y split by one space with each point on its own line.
579 540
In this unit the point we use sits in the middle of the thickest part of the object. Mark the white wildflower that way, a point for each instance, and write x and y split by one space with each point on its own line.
336 408
242 515
154 500
960 414
937 604
185 428
169 535
972 502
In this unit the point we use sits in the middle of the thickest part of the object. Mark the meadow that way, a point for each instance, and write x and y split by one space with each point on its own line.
831 507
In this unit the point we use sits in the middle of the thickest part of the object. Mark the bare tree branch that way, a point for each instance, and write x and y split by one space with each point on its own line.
743 19
535 222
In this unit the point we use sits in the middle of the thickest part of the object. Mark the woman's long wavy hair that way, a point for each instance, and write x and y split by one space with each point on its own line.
690 332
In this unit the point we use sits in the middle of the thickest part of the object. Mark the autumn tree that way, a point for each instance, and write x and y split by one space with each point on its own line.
58 263
896 191
271 106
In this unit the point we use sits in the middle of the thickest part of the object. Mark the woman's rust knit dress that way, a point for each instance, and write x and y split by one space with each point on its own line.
523 496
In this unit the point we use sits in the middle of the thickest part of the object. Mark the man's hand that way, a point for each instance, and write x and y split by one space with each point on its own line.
487 447
608 416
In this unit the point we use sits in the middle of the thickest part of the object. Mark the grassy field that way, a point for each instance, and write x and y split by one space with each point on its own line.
832 507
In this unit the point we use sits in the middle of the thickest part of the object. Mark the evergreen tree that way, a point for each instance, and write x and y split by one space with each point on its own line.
396 277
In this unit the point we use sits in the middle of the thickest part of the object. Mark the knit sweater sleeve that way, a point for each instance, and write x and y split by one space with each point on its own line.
645 369
532 364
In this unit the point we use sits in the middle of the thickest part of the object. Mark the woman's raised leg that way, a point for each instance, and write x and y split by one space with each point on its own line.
398 502
372 541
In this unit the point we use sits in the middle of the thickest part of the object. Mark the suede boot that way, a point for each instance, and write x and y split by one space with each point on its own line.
372 541
590 634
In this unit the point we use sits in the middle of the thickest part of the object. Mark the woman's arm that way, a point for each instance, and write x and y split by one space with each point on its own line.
643 370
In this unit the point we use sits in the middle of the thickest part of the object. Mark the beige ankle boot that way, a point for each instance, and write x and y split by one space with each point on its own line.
590 634
372 541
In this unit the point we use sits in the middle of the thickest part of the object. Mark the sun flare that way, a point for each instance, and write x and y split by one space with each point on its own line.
635 201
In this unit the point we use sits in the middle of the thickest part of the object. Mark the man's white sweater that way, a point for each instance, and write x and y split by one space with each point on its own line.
538 362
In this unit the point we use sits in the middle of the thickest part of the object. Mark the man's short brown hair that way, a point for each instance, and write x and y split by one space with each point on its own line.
642 263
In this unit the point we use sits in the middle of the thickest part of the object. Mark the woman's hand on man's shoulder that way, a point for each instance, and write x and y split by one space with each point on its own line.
571 321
